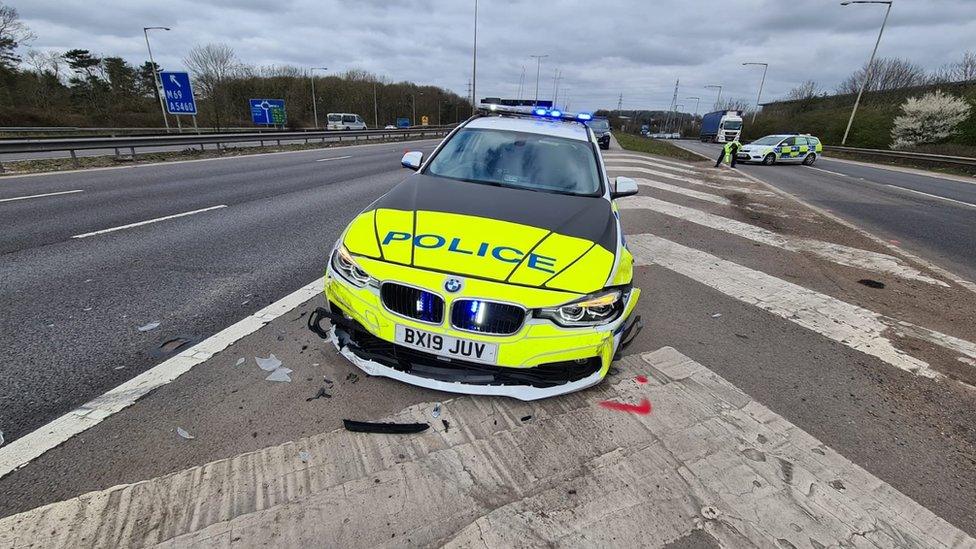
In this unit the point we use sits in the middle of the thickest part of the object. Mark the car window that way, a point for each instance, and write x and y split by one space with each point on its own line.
789 141
768 140
813 141
519 160
348 118
800 141
335 118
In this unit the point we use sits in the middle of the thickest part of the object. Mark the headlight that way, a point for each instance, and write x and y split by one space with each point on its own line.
346 266
592 310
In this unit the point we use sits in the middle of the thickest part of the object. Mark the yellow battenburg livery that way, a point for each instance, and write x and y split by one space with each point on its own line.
469 285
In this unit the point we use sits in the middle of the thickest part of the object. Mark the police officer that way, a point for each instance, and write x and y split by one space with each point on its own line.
728 154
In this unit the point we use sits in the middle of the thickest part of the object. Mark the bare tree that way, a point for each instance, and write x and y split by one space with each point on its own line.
806 90
960 71
212 67
889 73
13 33
734 104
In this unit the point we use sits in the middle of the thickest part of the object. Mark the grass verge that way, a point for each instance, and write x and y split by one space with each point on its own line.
45 165
655 146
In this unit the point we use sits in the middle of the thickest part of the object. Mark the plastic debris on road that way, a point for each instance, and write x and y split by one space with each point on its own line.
436 412
151 326
280 374
321 394
239 361
184 434
716 315
304 456
1 438
269 364
384 428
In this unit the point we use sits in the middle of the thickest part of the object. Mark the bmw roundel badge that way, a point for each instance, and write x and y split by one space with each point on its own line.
453 284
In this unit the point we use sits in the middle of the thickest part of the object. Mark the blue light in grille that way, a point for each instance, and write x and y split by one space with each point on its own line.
425 307
477 311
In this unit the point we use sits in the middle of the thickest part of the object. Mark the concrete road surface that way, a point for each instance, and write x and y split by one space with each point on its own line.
797 383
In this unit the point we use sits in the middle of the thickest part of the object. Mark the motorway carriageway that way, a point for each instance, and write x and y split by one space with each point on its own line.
782 389
932 215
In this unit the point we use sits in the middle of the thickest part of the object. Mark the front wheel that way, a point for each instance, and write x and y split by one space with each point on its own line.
810 159
769 159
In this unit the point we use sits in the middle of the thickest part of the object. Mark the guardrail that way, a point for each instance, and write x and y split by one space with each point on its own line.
908 155
72 145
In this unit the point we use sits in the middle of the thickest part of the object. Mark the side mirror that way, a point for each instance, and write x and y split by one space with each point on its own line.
412 160
623 186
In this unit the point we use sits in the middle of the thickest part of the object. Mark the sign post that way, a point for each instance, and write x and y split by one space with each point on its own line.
268 112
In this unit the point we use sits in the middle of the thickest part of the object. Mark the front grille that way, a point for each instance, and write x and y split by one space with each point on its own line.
486 317
413 302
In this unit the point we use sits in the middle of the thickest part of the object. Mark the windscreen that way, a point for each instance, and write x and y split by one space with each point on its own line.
732 124
768 140
599 125
519 160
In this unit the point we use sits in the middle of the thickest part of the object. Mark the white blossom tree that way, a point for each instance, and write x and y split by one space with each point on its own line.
930 118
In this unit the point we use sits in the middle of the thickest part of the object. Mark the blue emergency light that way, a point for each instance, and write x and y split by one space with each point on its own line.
540 112
584 116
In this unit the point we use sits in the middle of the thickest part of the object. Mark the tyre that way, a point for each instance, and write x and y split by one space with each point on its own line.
810 159
769 159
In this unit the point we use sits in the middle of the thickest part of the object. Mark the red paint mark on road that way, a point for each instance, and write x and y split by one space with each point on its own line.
641 379
641 409
894 241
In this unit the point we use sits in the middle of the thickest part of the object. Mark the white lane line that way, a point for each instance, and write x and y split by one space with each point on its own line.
39 195
715 199
844 255
850 325
689 180
22 451
148 221
969 204
827 171
334 158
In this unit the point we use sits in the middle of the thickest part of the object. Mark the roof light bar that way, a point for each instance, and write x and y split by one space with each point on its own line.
541 112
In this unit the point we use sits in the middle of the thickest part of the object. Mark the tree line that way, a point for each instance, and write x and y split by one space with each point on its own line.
80 88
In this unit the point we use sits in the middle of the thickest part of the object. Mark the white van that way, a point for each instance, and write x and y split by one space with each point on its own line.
345 121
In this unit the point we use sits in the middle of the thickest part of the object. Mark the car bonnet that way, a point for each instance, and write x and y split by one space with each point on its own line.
518 236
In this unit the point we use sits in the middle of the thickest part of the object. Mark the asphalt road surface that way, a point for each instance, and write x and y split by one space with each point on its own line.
931 215
788 403
72 305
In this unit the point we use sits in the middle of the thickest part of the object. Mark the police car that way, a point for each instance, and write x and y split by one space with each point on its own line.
498 268
785 148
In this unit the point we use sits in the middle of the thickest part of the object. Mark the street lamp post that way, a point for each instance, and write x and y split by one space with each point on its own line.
538 66
765 66
697 101
315 108
474 64
867 73
414 95
159 85
718 100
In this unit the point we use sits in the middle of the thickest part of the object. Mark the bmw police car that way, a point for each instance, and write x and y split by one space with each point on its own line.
498 268
787 148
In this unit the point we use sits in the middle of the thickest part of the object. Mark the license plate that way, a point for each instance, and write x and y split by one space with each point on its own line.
445 345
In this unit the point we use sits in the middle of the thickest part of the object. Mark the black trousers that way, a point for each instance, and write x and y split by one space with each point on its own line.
721 156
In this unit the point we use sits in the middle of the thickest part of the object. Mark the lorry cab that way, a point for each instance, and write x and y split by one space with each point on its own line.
721 126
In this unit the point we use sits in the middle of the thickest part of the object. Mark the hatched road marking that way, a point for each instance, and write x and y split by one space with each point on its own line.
708 197
148 221
707 461
39 195
844 255
699 182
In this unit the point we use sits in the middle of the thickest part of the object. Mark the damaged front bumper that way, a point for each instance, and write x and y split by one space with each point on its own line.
378 357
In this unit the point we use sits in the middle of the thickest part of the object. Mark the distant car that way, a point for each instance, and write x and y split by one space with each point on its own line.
601 127
345 121
389 127
785 148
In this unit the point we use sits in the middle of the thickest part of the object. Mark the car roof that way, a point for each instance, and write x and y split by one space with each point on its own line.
543 126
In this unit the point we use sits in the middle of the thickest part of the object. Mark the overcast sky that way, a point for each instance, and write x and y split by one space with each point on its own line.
603 47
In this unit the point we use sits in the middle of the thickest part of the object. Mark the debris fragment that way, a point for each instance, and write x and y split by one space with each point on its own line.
641 409
1 438
641 379
151 326
872 283
613 371
352 378
320 394
325 379
385 428
709 512
268 364
280 374
119 368
239 361
716 315
447 425
436 412
184 434
526 418
571 492
173 345
304 456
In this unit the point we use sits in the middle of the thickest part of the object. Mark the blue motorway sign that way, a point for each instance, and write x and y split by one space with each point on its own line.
403 122
178 93
268 112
